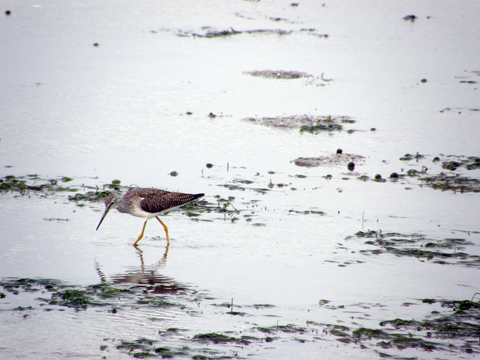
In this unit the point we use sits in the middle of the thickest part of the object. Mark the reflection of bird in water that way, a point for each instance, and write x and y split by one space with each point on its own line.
145 277
147 203
160 264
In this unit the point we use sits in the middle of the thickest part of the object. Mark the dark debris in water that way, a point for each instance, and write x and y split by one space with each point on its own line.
449 251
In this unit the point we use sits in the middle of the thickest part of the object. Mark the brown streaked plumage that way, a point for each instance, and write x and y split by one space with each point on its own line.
147 204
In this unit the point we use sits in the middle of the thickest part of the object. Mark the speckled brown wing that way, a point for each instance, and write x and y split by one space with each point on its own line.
156 201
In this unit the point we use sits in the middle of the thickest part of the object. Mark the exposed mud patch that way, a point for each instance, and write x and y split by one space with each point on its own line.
338 159
278 74
289 75
305 123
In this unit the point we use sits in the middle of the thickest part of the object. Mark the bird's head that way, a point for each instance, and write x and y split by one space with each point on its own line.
111 202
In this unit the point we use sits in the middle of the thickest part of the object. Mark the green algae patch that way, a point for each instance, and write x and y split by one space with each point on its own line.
448 251
318 128
455 183
289 328
59 295
218 338
451 331
445 172
149 348
408 157
33 185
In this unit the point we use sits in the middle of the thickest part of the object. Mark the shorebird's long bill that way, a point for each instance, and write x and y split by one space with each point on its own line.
103 217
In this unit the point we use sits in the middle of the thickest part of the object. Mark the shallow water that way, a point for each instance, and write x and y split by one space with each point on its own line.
119 111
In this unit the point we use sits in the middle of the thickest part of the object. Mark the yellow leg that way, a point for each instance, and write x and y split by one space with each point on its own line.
141 235
166 229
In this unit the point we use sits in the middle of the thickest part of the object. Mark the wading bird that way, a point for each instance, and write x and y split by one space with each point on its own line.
147 204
